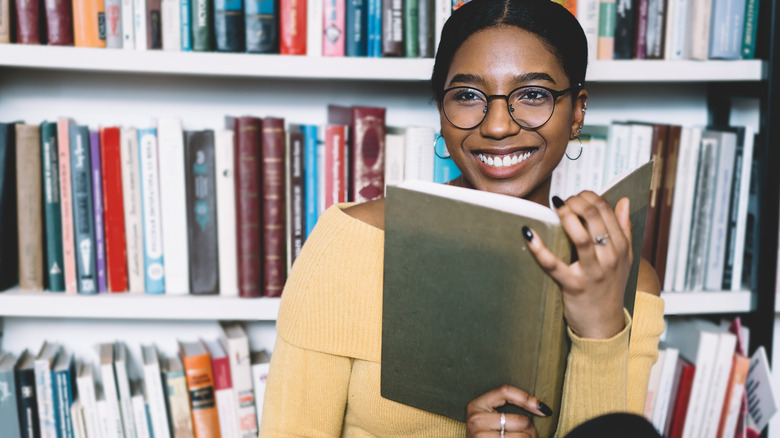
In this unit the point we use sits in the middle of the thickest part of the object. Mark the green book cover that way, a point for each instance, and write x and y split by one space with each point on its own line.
411 28
466 307
750 29
55 279
202 25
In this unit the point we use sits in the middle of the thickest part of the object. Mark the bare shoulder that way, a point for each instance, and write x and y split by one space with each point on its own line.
370 212
647 280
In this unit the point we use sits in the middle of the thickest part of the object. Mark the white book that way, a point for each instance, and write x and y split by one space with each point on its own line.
260 367
85 382
666 380
596 159
179 411
558 182
103 416
418 158
575 169
716 248
113 23
702 213
44 394
588 16
139 9
395 148
652 384
677 46
154 254
131 194
744 196
77 416
155 392
223 390
235 342
618 140
761 392
128 25
442 12
121 364
171 24
314 30
114 419
699 346
686 216
699 29
226 212
640 145
140 419
174 206
716 396
684 157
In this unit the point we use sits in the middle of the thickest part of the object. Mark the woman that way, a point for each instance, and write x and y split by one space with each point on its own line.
324 379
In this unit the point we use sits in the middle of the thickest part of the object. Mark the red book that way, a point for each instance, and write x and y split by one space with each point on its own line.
335 164
113 210
59 23
366 174
28 25
681 402
292 27
272 183
248 218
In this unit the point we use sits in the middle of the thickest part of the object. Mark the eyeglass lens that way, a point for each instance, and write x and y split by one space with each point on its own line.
530 107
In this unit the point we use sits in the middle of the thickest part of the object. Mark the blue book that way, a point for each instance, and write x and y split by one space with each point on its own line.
310 175
727 28
356 28
228 25
374 28
444 168
262 30
186 26
154 272
62 375
83 213
9 407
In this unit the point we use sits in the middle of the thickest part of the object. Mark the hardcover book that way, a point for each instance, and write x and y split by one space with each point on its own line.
292 27
223 390
9 392
131 194
29 207
55 280
44 390
310 138
224 151
200 382
26 398
171 15
153 24
228 25
272 183
89 23
411 28
83 214
625 23
392 27
202 25
128 25
185 13
85 383
113 209
5 21
356 28
435 309
59 23
296 188
121 367
333 41
30 22
262 29
248 213
9 253
113 24
97 203
66 202
154 271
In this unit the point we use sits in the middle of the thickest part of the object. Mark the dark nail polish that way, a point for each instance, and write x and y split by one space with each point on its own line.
527 233
545 409
557 202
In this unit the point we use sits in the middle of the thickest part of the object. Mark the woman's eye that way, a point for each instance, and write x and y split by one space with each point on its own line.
533 96
468 96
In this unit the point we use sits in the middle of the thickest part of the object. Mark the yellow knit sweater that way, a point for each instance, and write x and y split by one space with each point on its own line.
324 378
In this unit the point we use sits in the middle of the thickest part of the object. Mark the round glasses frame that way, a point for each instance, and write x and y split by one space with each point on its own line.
555 94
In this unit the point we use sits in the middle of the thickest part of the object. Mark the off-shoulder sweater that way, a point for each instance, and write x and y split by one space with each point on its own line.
324 377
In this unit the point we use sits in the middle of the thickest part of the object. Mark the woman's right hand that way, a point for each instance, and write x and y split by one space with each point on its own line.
482 419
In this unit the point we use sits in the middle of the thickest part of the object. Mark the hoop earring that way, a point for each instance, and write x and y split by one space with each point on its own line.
578 155
436 149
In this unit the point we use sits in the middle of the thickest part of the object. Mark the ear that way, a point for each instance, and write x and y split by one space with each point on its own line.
579 107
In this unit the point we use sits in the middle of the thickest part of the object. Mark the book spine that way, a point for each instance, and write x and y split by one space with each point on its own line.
367 159
702 214
296 188
375 28
678 40
733 215
89 23
310 175
28 409
225 399
154 272
155 392
202 26
442 11
52 208
44 393
112 400
113 22
625 18
178 404
700 29
654 46
333 43
153 24
657 154
140 418
321 172
716 248
588 16
292 27
123 388
394 156
356 28
97 204
248 218
226 212
668 187
411 20
29 204
259 378
201 213
5 21
185 12
131 195
315 32
83 210
228 28
9 408
128 25
680 411
640 38
171 25
726 29
260 17
272 183
750 29
66 204
606 48
200 382
335 188
113 209
686 176
426 25
28 29
241 379
742 214
59 23
392 27
141 23
174 206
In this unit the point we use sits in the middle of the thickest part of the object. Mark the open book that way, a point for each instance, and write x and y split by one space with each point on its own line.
467 307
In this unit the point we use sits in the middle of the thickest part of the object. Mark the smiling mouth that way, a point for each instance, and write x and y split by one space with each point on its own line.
504 160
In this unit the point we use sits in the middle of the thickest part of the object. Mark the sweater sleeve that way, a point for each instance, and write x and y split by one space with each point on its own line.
610 375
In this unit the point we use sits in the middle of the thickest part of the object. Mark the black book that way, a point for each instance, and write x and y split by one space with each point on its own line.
9 254
297 196
229 25
201 211
83 216
28 405
625 29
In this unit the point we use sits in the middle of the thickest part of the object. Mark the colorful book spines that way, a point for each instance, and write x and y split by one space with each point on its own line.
228 29
113 209
52 208
261 29
186 25
333 43
97 201
150 202
273 205
356 29
248 217
310 175
202 26
66 203
292 27
83 215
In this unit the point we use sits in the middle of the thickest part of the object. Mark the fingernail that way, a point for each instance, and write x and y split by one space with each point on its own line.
557 202
545 409
529 236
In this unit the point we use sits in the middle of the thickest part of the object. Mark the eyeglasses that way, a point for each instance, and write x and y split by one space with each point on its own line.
530 106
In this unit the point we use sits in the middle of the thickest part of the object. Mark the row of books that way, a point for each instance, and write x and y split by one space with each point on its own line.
213 388
704 384
294 27
700 229
668 29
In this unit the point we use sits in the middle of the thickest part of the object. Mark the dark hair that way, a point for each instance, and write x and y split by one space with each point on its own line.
551 22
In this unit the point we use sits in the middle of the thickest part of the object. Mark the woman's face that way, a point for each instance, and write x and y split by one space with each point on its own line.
496 61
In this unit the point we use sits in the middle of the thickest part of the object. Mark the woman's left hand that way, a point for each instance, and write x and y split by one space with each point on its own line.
594 285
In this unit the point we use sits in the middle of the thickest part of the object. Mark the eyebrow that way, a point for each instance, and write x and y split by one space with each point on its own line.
523 78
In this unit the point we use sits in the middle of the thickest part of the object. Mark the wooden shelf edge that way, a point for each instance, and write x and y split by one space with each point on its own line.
708 302
16 303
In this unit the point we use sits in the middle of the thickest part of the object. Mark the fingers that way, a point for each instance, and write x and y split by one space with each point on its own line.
504 394
484 421
548 261
488 423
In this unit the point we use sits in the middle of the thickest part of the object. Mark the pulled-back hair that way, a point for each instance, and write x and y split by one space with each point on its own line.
558 28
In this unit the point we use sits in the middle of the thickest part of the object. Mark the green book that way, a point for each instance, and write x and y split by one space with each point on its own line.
750 29
52 212
202 22
411 28
467 307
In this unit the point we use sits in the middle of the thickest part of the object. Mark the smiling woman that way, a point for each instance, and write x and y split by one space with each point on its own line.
508 80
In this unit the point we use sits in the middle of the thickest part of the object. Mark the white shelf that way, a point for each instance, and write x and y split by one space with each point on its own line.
137 306
339 68
690 303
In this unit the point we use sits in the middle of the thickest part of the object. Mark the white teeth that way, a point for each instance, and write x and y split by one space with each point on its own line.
506 161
